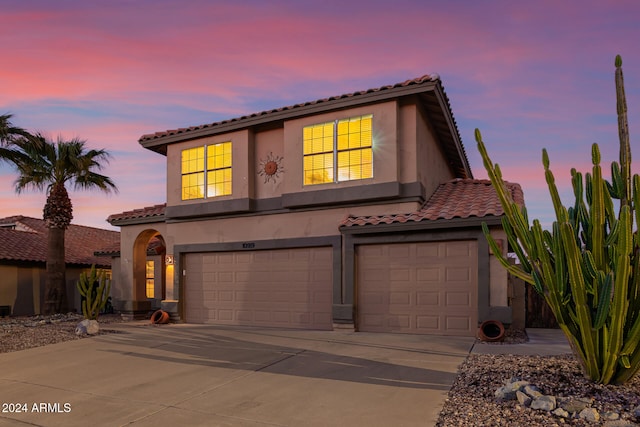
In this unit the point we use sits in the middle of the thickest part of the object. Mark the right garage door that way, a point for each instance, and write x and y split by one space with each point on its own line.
418 288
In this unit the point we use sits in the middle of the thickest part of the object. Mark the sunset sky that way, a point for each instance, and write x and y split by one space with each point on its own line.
528 74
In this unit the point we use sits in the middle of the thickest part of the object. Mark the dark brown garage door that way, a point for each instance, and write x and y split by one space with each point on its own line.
289 288
419 288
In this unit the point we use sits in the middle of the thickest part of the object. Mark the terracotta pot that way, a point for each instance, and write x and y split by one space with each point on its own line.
491 330
160 317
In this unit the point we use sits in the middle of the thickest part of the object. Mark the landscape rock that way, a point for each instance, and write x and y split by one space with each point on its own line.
509 390
611 416
575 404
544 403
589 414
87 327
504 394
523 398
471 401
559 412
532 390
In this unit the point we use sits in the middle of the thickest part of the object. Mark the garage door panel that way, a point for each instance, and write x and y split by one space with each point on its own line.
428 251
428 274
458 323
400 298
426 291
459 248
428 323
428 298
283 287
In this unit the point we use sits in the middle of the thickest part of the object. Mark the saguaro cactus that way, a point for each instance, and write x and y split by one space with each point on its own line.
94 288
588 266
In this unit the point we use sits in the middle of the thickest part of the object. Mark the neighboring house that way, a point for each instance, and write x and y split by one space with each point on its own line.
23 256
358 209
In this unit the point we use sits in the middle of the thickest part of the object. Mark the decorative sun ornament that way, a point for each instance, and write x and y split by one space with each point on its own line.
271 167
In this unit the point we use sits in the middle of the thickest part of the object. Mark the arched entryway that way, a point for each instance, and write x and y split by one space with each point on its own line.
149 269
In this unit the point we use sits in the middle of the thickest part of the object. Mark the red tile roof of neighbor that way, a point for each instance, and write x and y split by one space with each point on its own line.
26 240
458 198
416 81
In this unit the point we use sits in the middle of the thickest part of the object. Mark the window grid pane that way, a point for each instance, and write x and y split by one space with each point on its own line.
193 173
150 279
353 143
355 153
318 153
193 186
219 169
194 179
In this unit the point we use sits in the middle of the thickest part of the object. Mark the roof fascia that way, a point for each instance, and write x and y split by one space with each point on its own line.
136 221
453 129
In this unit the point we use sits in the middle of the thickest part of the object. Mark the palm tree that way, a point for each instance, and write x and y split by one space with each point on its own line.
8 131
43 164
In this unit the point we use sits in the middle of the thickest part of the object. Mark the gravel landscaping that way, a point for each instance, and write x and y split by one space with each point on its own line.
472 401
477 397
23 332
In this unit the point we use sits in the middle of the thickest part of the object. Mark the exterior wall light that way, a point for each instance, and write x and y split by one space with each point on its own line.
169 260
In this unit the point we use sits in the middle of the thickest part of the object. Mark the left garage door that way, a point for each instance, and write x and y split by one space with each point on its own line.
290 288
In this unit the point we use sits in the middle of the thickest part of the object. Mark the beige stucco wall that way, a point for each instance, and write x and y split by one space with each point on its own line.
312 223
498 289
9 287
420 155
404 150
22 288
432 165
242 164
385 147
123 277
270 145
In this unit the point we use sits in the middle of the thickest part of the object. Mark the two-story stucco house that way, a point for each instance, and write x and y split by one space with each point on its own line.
357 209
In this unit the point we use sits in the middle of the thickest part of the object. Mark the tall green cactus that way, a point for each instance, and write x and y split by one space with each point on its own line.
94 288
588 265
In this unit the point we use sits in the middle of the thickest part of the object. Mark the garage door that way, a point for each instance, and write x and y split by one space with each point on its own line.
420 288
289 288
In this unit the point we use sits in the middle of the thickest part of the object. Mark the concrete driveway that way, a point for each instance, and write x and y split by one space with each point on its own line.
198 375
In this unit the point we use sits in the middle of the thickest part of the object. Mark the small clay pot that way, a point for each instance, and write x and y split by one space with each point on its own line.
491 331
159 317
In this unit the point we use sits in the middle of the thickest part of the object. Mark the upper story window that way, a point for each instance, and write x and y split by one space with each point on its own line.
209 168
338 151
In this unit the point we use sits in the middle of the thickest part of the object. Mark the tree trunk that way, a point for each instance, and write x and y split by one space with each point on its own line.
57 214
55 298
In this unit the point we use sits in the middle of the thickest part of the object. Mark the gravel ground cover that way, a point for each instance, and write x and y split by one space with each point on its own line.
471 400
23 332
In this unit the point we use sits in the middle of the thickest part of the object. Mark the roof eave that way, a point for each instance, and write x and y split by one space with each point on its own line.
159 144
445 108
442 223
136 221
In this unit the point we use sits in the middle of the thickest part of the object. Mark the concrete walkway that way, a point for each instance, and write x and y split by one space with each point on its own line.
188 375
542 342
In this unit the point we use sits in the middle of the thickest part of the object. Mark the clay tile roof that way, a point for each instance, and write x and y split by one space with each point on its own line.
25 239
146 212
458 198
155 247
